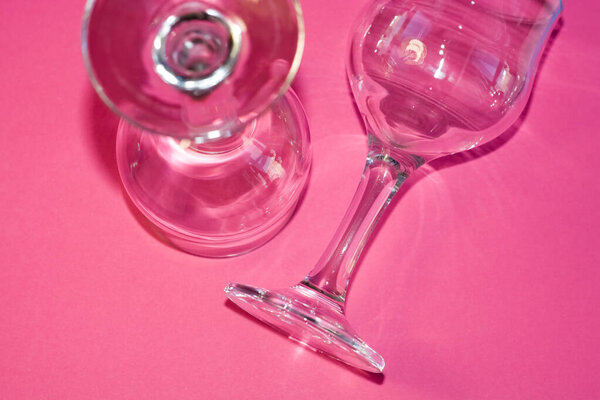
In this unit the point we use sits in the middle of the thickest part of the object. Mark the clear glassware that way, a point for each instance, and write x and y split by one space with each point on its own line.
219 200
430 79
209 148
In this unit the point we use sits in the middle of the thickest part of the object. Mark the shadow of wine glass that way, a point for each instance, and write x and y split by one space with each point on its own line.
101 132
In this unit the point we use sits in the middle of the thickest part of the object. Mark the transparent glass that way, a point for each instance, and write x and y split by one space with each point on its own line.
211 148
431 78
200 69
220 201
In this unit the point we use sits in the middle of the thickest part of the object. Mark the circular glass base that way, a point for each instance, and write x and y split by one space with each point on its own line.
222 198
310 318
191 68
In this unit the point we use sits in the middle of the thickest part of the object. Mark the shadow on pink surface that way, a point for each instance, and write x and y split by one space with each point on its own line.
101 132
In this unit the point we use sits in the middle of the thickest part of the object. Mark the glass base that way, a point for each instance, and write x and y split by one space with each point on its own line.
310 318
223 198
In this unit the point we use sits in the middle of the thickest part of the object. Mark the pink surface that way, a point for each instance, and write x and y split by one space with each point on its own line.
482 282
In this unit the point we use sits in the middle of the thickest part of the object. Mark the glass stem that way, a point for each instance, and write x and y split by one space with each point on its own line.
384 173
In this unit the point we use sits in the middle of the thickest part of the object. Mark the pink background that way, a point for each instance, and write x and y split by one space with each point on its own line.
483 281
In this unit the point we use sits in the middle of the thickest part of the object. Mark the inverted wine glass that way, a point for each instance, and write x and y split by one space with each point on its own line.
209 148
430 79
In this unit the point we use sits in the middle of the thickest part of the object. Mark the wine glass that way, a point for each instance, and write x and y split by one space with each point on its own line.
430 79
209 148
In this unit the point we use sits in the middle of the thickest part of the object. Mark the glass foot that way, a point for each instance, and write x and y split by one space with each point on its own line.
310 318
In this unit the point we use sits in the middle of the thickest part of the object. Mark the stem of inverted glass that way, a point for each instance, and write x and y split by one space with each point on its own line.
384 173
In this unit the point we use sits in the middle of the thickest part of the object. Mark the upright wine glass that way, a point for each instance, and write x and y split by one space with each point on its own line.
430 79
209 149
